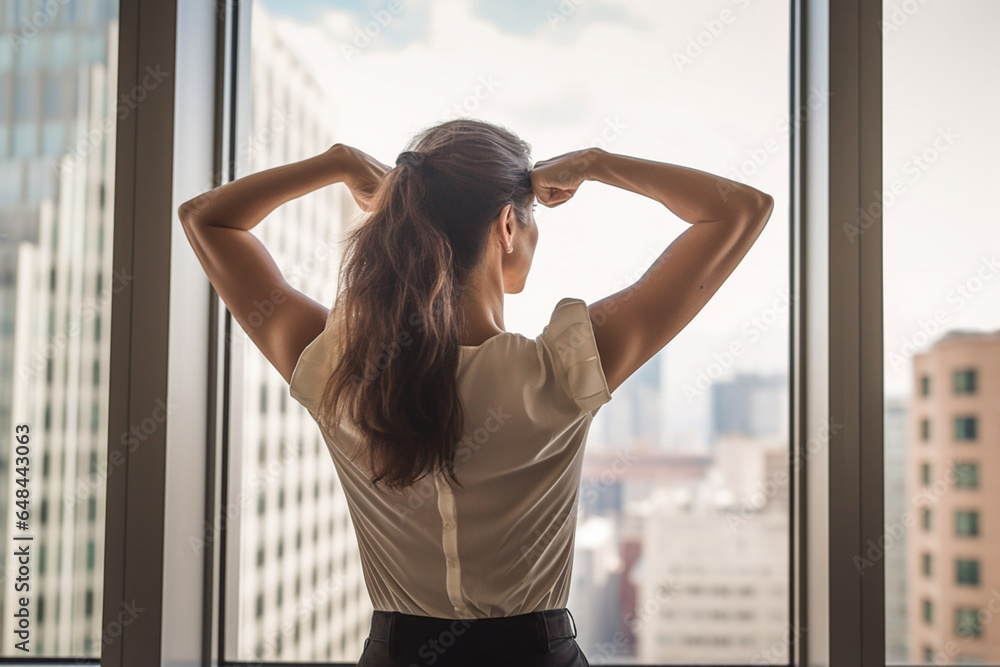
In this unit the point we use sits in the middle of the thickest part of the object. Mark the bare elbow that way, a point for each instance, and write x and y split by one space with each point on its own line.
186 211
760 212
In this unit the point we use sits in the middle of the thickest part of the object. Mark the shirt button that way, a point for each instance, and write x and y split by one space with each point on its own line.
449 524
451 563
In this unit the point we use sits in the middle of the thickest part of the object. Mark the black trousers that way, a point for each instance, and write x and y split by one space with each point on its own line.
540 639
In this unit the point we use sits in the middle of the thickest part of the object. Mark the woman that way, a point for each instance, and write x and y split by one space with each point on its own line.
458 443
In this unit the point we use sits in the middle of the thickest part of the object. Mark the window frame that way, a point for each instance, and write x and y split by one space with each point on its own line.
973 476
174 487
965 424
971 521
972 566
965 381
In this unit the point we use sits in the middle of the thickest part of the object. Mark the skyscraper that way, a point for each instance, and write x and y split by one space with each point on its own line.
750 405
954 547
896 576
301 592
635 416
57 143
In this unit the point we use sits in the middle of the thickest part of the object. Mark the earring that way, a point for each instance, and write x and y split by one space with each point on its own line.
509 248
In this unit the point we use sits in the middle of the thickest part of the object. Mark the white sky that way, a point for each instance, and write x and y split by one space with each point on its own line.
557 86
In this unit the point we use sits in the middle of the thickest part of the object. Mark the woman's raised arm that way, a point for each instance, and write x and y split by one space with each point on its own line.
278 318
726 217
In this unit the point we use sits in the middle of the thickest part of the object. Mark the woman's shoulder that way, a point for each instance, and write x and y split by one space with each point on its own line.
570 342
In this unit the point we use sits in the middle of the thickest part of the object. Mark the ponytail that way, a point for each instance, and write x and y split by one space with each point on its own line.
398 308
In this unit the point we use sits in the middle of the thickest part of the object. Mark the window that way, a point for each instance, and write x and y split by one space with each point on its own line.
965 381
967 523
740 412
54 376
928 612
927 564
967 475
967 572
939 331
967 622
925 474
965 428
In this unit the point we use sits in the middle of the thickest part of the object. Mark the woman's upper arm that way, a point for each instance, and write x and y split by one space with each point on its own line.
633 324
278 318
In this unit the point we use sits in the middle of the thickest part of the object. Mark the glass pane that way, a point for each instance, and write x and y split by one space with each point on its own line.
56 282
682 528
942 331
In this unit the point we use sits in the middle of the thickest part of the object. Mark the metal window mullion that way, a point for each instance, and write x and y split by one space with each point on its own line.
838 337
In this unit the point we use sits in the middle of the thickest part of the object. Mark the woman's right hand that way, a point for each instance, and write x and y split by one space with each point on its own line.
556 180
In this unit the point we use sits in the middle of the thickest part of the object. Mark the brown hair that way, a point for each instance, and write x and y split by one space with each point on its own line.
400 288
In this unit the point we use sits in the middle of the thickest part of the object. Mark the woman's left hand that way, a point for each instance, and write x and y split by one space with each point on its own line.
362 173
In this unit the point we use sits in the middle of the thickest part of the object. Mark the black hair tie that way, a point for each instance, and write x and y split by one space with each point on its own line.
411 158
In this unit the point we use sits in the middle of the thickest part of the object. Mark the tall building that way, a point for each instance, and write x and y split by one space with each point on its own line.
596 582
750 405
896 576
58 104
635 416
706 593
302 595
953 548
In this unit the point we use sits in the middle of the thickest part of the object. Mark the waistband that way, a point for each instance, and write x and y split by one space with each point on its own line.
546 626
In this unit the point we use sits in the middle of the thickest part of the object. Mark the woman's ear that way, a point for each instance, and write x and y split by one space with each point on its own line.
507 222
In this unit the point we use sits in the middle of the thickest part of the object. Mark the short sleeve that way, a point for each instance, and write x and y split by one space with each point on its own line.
569 337
313 369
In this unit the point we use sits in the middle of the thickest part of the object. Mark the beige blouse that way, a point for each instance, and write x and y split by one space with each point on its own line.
503 545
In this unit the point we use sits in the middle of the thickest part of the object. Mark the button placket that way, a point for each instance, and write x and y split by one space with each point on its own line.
449 543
